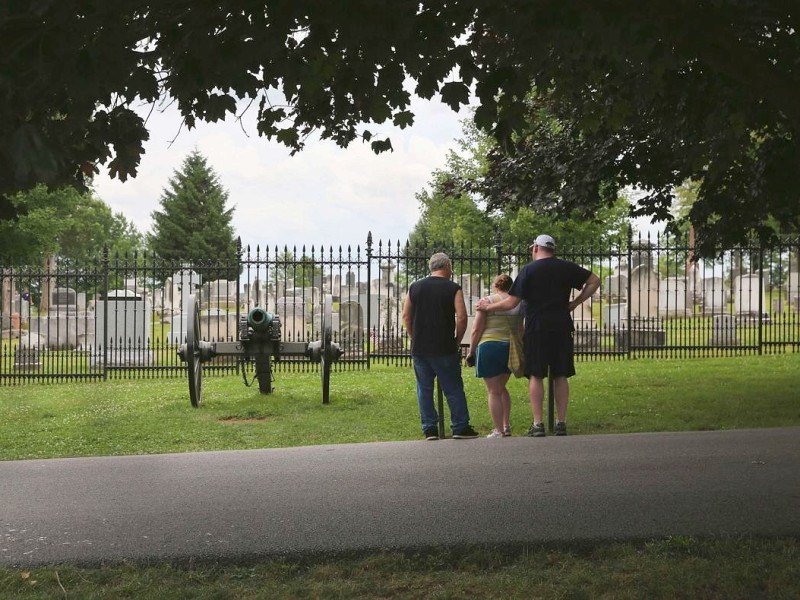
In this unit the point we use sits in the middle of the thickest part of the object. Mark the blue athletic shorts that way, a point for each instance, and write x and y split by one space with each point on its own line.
491 359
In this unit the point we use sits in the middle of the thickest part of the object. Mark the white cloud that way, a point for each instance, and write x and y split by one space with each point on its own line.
323 195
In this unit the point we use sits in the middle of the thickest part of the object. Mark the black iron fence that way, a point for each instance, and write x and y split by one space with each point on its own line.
126 316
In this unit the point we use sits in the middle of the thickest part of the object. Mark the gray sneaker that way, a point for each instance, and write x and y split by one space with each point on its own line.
536 430
561 428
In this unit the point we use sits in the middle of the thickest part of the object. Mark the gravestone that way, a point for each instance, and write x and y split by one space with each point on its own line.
64 300
292 312
641 328
471 304
218 325
389 321
124 338
220 293
615 288
471 285
644 332
385 322
642 252
336 287
27 356
644 284
7 291
715 298
351 324
674 298
747 299
793 289
372 314
614 315
184 283
385 285
160 302
349 290
67 326
256 293
587 334
22 306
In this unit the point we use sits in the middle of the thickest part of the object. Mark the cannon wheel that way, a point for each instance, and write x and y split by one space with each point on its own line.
193 359
327 352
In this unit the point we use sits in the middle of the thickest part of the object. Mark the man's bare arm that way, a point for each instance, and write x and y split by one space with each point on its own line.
587 291
507 303
461 316
478 325
408 311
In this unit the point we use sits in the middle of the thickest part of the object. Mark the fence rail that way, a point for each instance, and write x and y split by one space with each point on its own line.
126 316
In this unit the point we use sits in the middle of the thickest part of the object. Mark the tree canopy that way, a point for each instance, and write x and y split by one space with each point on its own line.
645 94
65 224
455 212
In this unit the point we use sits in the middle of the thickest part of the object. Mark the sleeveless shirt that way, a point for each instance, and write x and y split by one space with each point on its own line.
434 319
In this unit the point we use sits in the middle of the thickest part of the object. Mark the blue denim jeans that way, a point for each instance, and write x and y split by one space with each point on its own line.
448 369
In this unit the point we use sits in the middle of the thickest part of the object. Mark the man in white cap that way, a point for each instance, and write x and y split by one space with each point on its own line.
545 284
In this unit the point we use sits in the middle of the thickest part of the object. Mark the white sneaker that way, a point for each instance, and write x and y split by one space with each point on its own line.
494 434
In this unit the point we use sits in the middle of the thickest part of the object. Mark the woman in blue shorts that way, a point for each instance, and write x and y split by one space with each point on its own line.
488 351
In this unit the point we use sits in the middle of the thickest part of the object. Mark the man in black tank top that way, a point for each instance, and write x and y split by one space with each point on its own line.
435 317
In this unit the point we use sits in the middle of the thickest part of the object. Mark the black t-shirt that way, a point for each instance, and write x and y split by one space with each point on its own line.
434 317
545 285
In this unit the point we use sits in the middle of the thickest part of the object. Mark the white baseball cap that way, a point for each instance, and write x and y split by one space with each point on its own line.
544 241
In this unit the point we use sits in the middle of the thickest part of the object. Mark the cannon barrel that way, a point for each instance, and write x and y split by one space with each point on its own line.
259 319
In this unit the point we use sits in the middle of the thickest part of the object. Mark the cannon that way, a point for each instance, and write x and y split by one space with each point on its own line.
259 342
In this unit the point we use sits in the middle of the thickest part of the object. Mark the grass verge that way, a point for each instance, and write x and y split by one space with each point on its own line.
728 568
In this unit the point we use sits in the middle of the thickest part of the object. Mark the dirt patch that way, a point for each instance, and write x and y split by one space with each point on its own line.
242 420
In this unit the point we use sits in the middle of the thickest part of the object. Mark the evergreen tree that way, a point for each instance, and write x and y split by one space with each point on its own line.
194 225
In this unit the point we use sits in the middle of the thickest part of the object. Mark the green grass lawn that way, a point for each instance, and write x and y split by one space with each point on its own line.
141 416
145 416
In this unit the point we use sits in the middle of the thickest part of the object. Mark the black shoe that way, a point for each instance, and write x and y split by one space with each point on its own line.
431 434
536 430
468 433
561 428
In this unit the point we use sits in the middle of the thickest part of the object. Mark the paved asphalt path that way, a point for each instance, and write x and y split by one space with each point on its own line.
245 504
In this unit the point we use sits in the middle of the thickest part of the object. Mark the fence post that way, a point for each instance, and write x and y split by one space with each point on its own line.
761 296
239 282
105 311
498 248
369 298
628 302
440 398
551 404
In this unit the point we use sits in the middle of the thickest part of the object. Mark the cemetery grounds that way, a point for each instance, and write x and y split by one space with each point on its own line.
124 416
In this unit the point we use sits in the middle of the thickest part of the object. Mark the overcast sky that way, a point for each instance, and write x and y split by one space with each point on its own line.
324 195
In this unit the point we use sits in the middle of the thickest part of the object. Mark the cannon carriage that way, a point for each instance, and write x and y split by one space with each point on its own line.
259 343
